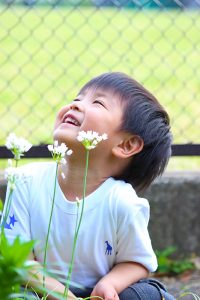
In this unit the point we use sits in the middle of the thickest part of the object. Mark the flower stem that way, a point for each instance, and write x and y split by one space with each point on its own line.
16 163
8 205
48 231
65 294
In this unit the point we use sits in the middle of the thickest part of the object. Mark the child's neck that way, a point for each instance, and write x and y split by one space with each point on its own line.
72 184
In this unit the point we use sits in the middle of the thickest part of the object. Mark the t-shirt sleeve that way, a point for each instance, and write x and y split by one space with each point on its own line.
134 242
18 218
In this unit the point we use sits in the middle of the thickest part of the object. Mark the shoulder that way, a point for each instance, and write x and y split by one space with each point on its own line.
38 170
127 201
32 168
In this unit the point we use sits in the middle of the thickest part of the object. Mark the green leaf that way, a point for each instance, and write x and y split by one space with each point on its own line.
13 265
167 264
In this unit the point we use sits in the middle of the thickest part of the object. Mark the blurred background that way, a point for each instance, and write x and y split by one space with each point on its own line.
50 48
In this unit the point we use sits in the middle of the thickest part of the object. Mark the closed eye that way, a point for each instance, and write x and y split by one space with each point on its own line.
99 102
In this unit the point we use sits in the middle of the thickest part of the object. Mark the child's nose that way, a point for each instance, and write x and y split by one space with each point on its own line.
76 106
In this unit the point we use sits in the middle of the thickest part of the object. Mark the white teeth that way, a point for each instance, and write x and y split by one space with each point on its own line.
71 120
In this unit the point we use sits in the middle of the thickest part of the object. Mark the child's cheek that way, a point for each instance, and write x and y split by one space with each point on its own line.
60 115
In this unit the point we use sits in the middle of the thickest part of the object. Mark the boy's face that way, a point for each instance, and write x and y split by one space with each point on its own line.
95 110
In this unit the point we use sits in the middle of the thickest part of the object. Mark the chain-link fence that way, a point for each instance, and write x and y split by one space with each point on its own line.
50 48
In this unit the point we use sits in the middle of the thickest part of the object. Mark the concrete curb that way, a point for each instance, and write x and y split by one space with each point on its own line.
175 212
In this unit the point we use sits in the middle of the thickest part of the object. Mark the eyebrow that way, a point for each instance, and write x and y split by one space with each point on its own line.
100 95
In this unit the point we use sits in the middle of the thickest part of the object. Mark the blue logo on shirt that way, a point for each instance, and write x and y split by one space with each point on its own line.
108 248
11 224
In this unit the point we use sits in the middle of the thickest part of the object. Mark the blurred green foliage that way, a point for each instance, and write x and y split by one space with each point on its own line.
14 266
169 265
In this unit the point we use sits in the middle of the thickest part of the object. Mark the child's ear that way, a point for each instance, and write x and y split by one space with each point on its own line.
129 146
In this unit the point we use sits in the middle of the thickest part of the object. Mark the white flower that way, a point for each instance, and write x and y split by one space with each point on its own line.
59 151
63 161
78 201
69 152
63 175
17 145
90 139
12 175
10 162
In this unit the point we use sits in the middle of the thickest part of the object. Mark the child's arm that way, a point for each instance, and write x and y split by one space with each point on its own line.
119 278
35 281
51 284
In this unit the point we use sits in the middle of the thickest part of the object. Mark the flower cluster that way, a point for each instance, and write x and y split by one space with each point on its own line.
17 145
59 151
12 174
90 139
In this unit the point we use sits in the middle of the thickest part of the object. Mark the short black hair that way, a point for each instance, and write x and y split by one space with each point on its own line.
143 116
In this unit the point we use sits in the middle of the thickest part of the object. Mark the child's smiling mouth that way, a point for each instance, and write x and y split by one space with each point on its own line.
70 119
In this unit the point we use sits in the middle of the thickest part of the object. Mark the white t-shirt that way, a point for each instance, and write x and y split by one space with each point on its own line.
113 228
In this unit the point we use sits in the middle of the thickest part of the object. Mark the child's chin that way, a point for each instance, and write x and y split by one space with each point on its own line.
64 138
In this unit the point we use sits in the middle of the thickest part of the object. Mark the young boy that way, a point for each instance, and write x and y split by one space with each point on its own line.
114 255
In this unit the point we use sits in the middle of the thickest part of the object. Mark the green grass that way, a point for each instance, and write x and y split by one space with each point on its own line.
184 163
48 54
